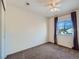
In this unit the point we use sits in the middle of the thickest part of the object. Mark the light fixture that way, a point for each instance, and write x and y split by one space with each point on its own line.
54 9
54 5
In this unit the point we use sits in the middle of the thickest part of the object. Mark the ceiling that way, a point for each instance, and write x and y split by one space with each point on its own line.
41 6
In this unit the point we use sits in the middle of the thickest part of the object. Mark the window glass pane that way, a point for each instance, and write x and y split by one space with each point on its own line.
65 27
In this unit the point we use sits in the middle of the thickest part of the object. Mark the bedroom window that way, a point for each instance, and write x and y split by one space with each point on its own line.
65 27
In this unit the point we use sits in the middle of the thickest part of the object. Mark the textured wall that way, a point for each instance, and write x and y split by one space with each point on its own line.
24 29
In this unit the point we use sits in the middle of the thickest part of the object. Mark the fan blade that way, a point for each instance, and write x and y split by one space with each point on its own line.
58 5
57 1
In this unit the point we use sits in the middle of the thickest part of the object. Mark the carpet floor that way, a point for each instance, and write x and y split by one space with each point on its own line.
46 51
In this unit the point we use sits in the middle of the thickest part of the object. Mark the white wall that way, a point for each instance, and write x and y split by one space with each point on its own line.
62 40
51 30
24 29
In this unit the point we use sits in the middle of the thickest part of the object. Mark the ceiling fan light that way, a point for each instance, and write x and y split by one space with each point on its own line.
54 6
52 10
56 9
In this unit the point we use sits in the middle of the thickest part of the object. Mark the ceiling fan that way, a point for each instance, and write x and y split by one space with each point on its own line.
54 5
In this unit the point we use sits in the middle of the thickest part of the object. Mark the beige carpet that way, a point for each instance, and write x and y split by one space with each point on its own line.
46 51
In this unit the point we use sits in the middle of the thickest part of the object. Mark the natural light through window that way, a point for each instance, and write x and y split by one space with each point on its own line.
65 27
